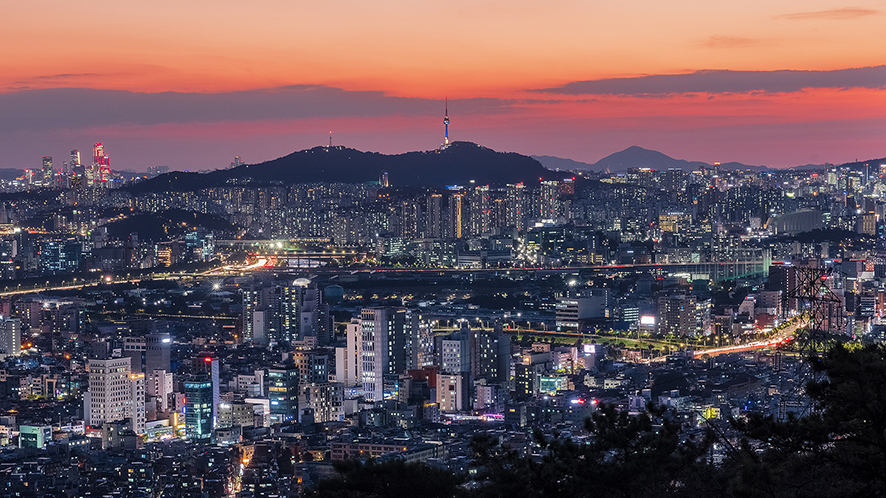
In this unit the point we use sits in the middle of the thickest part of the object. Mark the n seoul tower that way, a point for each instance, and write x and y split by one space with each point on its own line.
446 126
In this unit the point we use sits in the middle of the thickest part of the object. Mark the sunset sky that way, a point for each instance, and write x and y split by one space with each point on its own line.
192 83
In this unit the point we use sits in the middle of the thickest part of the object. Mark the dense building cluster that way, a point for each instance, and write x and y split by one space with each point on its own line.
237 341
641 216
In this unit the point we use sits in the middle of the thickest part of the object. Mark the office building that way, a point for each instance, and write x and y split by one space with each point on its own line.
236 414
34 436
589 304
678 315
450 396
159 386
115 394
157 346
456 212
134 349
385 348
47 171
434 222
283 393
199 408
10 336
325 400
347 357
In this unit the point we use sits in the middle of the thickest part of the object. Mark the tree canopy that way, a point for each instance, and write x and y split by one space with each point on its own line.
836 449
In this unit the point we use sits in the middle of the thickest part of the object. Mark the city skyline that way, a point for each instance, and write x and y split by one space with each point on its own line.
776 85
337 278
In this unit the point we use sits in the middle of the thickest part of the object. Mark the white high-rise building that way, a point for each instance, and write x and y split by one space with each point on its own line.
347 359
160 386
115 393
449 392
136 406
10 336
384 350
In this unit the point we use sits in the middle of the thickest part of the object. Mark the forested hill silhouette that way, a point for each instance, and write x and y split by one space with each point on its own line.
638 157
460 163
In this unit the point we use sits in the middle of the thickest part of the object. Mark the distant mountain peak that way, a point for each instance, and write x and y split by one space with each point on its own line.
636 156
563 164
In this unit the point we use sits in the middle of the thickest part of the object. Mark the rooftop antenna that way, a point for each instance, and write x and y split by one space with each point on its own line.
330 139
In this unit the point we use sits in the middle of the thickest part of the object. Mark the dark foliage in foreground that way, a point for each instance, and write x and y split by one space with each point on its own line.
389 479
837 450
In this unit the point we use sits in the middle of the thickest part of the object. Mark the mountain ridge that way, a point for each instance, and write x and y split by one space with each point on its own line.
639 157
461 163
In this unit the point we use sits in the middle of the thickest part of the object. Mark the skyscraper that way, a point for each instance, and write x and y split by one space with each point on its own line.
455 215
101 163
10 336
347 358
314 316
98 153
385 348
78 175
549 200
287 304
479 212
134 348
74 173
198 408
283 393
213 368
47 170
434 227
115 393
272 312
516 206
255 302
421 338
157 347
410 213
159 385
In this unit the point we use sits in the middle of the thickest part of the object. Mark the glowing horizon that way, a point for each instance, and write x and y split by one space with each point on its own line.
191 84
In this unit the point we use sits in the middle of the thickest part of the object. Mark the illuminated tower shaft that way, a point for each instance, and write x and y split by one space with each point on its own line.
98 153
446 126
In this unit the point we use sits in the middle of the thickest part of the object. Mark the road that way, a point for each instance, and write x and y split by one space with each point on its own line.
780 339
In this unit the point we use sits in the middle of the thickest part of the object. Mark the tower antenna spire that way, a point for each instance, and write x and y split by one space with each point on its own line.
446 124
330 139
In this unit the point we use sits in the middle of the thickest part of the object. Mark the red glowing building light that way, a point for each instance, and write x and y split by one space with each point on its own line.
98 154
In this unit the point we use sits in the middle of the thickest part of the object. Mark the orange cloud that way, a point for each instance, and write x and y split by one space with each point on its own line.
722 41
832 14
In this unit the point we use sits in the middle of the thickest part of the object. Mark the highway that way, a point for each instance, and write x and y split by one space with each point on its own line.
780 339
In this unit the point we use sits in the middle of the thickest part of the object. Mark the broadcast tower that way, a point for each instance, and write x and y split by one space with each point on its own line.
446 126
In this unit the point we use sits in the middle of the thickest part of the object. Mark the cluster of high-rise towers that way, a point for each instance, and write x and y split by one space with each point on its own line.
73 174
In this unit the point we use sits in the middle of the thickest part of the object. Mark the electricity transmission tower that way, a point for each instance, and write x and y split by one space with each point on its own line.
823 312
